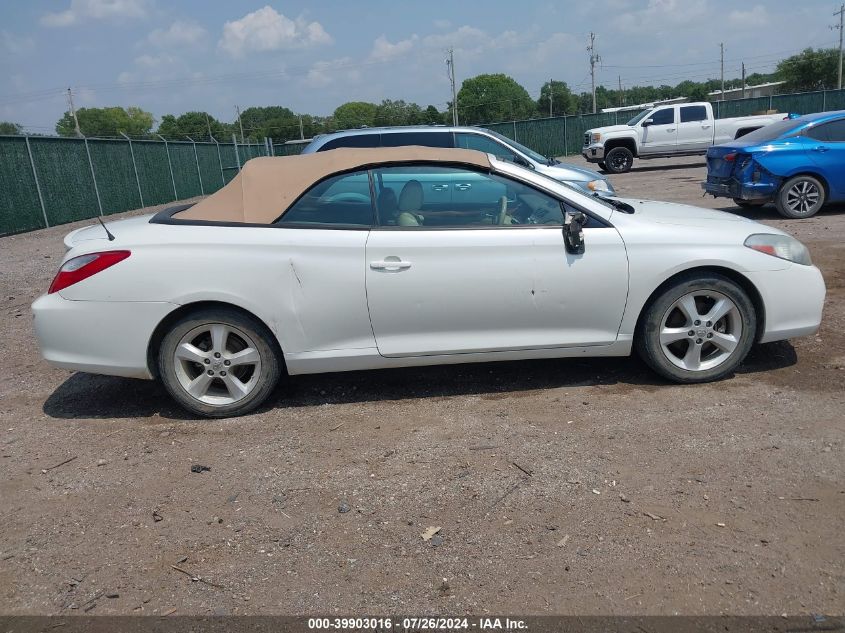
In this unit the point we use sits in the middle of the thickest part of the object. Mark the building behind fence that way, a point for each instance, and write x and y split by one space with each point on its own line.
46 181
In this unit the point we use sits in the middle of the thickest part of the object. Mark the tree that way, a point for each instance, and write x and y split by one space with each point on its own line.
276 122
492 98
810 70
107 122
7 127
193 124
563 101
397 113
354 114
432 115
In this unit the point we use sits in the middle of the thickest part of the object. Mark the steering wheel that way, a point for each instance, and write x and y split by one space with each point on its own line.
503 210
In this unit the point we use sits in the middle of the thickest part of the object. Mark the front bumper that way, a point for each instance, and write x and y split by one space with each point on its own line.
593 153
99 337
793 298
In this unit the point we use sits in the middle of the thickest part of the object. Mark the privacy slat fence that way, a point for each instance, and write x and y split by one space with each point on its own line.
46 181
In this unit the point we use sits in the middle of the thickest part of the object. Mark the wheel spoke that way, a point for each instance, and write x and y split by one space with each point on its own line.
669 335
191 353
719 309
248 356
725 342
236 388
198 387
219 335
690 310
692 359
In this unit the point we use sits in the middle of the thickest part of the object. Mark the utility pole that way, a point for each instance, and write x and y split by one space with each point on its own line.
73 113
722 49
743 80
594 58
551 96
208 123
621 94
841 14
450 64
238 110
301 132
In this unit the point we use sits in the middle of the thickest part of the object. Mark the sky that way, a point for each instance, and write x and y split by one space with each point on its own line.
174 56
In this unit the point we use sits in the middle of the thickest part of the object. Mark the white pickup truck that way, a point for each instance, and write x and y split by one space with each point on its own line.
685 129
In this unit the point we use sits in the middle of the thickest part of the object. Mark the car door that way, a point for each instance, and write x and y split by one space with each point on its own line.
826 147
660 131
320 281
486 272
695 129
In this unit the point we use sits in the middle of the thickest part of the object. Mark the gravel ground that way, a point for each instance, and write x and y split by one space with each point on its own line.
559 487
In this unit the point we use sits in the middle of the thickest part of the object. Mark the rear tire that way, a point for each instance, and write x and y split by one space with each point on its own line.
800 197
619 160
697 330
219 362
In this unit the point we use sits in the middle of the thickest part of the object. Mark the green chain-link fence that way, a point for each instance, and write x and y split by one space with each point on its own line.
46 181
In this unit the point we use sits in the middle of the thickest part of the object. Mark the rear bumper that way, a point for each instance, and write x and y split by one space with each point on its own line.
793 300
99 337
731 188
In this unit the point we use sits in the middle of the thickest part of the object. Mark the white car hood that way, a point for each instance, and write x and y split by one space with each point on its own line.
613 128
685 214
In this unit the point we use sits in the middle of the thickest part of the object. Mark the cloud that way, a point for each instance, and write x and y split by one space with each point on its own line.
268 30
442 24
180 34
754 17
384 50
16 45
324 73
660 15
83 10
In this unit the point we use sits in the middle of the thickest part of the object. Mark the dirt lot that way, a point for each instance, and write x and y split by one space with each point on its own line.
565 487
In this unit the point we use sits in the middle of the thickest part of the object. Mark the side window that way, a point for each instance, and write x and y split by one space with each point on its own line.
435 197
342 200
665 116
693 113
484 144
426 139
831 132
353 140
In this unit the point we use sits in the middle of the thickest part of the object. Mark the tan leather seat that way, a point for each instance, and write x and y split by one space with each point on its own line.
410 202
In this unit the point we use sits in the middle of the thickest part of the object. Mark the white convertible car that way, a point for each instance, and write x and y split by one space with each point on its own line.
372 258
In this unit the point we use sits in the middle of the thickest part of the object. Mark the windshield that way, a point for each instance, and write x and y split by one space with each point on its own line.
512 143
596 196
638 118
772 131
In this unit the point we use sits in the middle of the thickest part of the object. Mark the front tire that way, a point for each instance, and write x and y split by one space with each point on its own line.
219 362
697 330
619 160
602 165
800 197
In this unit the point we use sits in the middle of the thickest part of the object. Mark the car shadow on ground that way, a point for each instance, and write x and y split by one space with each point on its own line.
769 212
100 397
648 168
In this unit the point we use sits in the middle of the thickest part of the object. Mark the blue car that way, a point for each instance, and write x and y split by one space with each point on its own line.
797 163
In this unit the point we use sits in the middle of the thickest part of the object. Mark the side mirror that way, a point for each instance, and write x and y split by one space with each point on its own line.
573 232
648 122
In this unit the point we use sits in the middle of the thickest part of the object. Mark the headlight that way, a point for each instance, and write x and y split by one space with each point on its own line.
600 185
596 137
781 246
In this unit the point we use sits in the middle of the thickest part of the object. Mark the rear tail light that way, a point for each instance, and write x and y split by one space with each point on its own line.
730 157
79 268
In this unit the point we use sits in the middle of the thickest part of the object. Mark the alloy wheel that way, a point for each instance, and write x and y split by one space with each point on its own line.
802 197
700 330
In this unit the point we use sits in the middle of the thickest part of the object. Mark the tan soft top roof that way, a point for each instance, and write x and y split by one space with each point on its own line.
267 186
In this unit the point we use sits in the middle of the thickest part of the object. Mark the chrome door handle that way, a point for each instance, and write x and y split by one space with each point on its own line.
390 265
439 187
705 127
671 130
464 186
